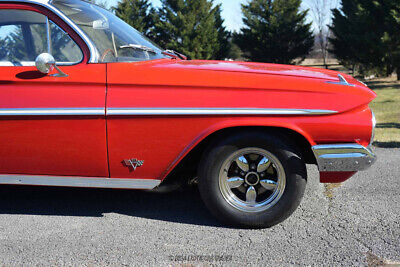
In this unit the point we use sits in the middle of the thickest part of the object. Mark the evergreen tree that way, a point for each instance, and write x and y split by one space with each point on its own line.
275 31
234 51
3 50
137 13
391 37
193 28
357 30
367 35
15 45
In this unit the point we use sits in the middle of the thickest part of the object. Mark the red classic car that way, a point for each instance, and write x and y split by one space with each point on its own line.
87 101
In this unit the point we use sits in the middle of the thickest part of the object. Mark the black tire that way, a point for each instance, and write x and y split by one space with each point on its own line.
294 169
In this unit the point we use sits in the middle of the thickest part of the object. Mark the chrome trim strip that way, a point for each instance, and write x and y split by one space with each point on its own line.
212 111
48 31
342 81
94 54
87 182
157 111
52 112
343 157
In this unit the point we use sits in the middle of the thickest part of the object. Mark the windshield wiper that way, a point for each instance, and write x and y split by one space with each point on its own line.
174 54
139 47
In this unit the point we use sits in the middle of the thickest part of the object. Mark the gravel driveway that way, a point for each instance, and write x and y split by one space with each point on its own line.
356 223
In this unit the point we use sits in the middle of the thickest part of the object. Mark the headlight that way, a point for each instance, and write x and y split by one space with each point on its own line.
373 128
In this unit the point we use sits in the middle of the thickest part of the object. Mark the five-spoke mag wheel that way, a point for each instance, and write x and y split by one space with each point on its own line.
252 180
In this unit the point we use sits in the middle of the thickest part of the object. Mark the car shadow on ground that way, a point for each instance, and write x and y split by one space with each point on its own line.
388 125
376 85
389 144
180 207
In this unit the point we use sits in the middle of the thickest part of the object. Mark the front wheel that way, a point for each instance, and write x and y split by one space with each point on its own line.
252 180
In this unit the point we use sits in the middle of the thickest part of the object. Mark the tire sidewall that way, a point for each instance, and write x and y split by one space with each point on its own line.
293 166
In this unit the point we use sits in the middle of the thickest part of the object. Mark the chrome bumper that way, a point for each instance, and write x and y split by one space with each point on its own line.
343 157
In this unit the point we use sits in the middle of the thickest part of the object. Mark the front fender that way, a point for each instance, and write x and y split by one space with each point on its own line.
231 124
163 141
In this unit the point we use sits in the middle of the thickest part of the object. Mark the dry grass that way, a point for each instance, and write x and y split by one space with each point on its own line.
329 189
375 261
318 61
333 64
387 110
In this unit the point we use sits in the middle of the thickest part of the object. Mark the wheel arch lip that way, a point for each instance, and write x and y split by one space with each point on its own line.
231 125
314 130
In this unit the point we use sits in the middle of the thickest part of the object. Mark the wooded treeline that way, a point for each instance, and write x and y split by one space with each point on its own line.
364 35
274 31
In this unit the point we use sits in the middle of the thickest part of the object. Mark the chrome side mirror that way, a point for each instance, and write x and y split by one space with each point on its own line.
45 63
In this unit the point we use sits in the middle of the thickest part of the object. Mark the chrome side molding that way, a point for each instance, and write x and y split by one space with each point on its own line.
161 112
52 112
85 182
343 157
213 111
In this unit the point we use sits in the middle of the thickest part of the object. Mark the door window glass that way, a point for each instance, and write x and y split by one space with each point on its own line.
23 36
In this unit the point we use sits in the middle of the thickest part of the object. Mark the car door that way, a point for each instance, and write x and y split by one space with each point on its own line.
49 125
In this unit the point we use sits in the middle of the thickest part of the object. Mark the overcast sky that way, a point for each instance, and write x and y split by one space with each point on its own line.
231 11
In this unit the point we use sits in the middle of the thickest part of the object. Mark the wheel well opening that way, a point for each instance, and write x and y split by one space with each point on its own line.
187 167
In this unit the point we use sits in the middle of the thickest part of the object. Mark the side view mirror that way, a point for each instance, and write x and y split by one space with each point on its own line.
45 63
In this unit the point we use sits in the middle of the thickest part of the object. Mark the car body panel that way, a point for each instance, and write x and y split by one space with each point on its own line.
80 134
53 145
201 87
162 146
162 141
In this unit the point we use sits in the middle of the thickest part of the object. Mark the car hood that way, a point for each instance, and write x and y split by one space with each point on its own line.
196 83
258 68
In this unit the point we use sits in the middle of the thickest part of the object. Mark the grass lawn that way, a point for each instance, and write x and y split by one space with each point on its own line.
387 110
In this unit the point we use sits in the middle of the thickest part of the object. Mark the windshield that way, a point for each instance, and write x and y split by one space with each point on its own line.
115 40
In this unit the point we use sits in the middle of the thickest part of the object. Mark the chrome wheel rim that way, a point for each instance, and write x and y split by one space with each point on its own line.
252 180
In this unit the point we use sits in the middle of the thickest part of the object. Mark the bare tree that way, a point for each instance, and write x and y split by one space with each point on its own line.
321 11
